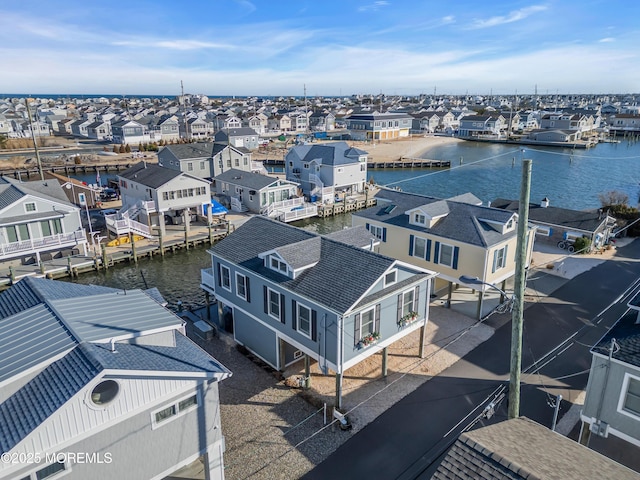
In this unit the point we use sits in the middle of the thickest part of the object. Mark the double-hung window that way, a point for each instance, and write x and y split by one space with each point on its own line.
630 400
304 320
407 302
446 255
419 247
274 303
376 231
225 277
241 286
500 258
367 322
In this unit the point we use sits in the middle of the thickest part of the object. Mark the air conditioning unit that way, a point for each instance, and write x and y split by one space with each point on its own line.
600 428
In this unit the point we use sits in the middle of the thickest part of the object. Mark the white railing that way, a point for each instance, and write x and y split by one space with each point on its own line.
37 244
207 278
126 225
292 202
306 212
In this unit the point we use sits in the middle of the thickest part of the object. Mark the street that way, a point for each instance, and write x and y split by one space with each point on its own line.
407 441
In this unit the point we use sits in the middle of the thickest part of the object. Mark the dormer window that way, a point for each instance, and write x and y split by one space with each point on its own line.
30 207
419 218
278 265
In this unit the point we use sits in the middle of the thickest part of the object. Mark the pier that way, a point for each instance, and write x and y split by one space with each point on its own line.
403 162
67 170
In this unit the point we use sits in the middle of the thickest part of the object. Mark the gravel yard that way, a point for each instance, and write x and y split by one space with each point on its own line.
264 420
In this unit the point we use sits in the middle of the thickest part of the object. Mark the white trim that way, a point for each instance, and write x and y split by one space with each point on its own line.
298 305
229 288
373 319
623 395
178 412
278 317
389 272
238 274
440 254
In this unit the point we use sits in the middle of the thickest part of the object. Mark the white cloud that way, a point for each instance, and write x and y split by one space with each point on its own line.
247 5
607 40
374 7
173 44
511 17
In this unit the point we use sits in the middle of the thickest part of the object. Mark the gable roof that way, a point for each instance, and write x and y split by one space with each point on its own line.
152 175
357 236
39 398
587 220
465 222
190 150
342 275
523 449
336 153
626 333
40 319
254 181
12 190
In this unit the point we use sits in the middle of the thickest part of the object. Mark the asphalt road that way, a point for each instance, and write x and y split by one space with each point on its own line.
407 441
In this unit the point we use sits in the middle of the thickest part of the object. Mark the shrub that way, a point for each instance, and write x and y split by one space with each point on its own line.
582 244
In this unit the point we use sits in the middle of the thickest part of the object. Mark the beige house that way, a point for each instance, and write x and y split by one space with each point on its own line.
454 237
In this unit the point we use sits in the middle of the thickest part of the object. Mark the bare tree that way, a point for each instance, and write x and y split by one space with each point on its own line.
613 197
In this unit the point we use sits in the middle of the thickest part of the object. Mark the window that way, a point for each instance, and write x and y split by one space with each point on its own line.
49 471
105 392
304 320
419 218
176 409
237 162
190 166
377 231
229 163
446 255
419 247
201 165
631 398
367 322
30 207
241 286
306 165
390 277
165 413
274 304
46 228
246 161
499 258
277 264
225 277
363 167
407 302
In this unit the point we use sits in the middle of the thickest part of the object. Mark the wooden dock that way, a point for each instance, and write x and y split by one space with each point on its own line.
67 170
409 162
332 209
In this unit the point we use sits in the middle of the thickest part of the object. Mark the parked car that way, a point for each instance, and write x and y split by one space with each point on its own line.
109 194
108 211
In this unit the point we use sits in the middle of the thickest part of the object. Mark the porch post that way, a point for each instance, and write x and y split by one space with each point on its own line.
187 217
504 286
480 299
281 358
307 372
207 301
133 247
384 361
449 294
338 390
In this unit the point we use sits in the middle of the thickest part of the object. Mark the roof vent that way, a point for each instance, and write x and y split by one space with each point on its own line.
544 203
113 346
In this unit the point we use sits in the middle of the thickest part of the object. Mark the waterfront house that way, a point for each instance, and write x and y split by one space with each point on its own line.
287 293
554 135
154 196
482 126
279 124
37 222
79 128
198 128
562 226
100 382
257 193
519 449
129 132
99 130
238 137
622 124
258 123
327 170
204 159
612 402
453 237
378 126
322 122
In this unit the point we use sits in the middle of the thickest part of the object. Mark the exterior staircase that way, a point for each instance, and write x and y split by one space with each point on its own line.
237 205
122 223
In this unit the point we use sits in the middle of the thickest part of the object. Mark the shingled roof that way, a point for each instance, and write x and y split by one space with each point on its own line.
342 275
464 222
523 449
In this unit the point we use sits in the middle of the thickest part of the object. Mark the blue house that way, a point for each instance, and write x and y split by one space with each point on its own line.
287 293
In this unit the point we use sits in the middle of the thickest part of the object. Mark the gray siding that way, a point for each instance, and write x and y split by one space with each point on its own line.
609 411
156 450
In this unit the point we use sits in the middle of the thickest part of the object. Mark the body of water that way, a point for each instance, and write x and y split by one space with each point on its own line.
569 178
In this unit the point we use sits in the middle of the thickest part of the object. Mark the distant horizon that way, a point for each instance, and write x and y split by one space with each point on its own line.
247 48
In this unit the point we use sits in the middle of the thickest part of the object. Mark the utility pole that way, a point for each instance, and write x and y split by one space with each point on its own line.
35 142
518 292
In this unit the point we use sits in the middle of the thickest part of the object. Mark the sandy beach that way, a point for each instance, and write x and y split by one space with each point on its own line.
412 147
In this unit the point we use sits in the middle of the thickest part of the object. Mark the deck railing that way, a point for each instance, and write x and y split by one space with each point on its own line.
61 240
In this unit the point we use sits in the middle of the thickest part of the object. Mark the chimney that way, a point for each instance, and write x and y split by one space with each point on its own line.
544 203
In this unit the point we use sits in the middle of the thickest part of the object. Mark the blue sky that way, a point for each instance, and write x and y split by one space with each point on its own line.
273 47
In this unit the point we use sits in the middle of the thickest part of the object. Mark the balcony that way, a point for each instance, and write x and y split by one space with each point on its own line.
61 240
207 280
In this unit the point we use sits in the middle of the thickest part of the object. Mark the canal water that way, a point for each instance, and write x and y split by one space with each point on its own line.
570 179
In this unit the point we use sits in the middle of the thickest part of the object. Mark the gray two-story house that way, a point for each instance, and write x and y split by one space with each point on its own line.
238 137
100 383
287 293
204 159
327 169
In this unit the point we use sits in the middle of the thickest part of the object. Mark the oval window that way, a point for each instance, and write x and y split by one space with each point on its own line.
105 392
